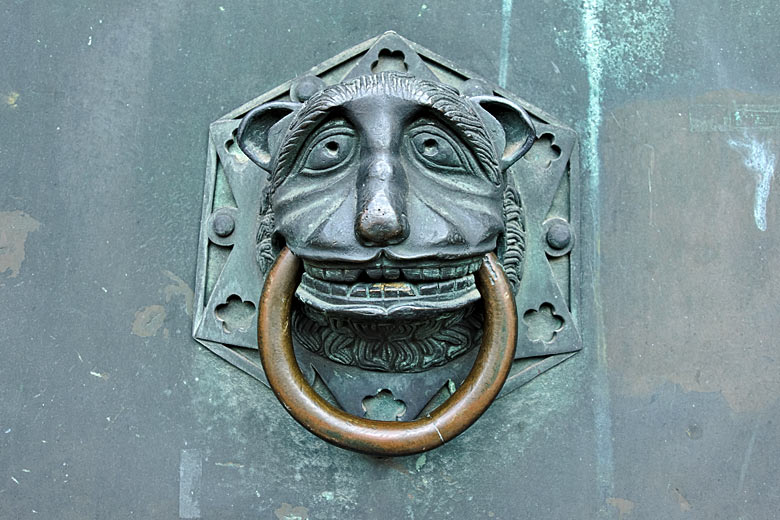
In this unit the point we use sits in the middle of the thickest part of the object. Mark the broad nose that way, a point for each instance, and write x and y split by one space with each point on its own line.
381 216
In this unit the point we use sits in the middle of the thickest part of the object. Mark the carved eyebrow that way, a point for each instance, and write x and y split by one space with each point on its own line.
442 99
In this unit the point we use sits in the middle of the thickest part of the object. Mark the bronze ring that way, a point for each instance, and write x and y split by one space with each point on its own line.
385 438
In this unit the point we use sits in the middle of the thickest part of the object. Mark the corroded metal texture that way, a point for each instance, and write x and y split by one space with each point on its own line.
669 411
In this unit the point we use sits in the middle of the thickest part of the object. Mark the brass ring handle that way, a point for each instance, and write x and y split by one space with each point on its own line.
385 438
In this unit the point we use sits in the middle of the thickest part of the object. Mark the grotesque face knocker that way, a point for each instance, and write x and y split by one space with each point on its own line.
391 240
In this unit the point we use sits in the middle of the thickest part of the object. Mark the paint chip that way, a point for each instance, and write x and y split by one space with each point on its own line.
15 226
761 160
179 288
420 463
684 504
288 512
148 320
624 506
11 98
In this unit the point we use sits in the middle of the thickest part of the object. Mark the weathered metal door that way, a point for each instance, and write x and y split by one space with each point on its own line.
658 243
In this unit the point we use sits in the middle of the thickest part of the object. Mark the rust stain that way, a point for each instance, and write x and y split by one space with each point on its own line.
14 228
689 285
624 506
148 320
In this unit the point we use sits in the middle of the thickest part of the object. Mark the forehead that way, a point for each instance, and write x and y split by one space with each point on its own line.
383 112
385 92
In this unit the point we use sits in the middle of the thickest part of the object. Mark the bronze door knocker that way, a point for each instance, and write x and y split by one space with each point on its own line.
410 262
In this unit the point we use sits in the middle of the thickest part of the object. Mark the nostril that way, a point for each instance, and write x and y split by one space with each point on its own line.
380 224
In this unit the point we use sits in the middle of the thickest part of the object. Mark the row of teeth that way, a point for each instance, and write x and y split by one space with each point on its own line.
389 290
334 274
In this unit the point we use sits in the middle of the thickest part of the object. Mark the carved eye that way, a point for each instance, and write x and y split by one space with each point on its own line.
436 148
331 149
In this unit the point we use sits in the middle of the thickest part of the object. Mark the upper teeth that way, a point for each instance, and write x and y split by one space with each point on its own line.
332 275
384 272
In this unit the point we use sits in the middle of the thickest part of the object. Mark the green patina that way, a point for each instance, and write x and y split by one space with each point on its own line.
631 42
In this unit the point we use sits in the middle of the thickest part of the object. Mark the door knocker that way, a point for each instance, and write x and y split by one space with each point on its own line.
398 235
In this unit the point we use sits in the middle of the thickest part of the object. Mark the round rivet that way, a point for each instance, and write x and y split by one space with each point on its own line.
223 224
305 87
559 235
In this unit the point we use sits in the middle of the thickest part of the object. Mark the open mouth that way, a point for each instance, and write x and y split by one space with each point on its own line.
387 288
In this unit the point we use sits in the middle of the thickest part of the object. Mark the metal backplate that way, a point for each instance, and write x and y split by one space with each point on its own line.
229 280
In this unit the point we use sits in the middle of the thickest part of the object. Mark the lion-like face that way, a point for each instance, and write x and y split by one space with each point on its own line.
390 189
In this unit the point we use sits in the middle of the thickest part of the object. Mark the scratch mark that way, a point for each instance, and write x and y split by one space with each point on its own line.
758 158
98 374
190 472
437 431
652 168
506 28
650 172
229 465
746 461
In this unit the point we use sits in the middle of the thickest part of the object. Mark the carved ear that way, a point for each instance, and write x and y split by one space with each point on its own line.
518 129
258 131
